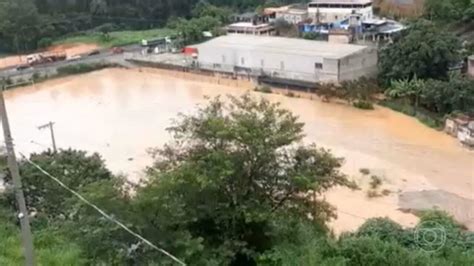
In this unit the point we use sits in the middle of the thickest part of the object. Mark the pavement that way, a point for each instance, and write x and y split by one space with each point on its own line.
104 55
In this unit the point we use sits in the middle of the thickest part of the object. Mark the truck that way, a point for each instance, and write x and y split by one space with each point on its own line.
46 57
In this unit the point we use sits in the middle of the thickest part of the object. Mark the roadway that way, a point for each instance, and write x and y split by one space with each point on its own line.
48 68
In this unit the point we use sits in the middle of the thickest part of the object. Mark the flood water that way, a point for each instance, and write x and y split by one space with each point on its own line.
121 113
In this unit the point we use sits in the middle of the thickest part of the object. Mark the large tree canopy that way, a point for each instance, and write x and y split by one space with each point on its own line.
424 50
231 169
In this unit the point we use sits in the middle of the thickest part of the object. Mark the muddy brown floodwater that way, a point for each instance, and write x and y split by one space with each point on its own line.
121 113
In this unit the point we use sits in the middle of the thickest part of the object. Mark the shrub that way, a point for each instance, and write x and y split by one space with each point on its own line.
45 42
36 76
363 105
264 89
83 68
373 194
375 182
291 94
364 171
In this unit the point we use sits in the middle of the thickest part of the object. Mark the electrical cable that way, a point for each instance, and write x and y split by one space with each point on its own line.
110 218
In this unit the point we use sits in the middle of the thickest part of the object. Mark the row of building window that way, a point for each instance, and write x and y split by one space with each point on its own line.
316 5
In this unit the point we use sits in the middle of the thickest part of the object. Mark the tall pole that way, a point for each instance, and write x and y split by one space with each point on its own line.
27 238
51 129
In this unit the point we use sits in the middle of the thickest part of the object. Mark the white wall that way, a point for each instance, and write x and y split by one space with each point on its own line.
363 63
288 66
328 15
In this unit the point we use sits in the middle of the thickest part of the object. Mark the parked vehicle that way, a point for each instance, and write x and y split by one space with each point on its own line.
95 52
117 50
74 58
22 67
46 57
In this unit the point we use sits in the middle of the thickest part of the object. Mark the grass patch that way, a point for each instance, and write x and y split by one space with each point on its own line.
375 182
264 89
116 38
363 105
82 68
428 118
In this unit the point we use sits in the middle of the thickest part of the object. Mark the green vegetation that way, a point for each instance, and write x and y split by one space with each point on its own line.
357 93
449 10
364 171
116 38
83 68
363 105
424 51
263 89
26 25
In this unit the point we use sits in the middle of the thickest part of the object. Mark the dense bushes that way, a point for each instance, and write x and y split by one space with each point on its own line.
83 68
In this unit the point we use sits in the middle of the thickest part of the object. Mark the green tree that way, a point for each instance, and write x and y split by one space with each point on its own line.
75 168
446 10
232 169
203 9
19 24
424 51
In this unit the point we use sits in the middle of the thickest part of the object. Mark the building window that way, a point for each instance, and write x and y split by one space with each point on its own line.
282 65
242 61
217 65
318 65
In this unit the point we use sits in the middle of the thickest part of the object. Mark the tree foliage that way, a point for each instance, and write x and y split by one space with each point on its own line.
424 50
442 97
231 169
449 10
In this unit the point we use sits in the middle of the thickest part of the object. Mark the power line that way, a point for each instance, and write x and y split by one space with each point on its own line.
110 218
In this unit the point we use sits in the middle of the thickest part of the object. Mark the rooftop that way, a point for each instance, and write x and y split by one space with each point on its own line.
280 45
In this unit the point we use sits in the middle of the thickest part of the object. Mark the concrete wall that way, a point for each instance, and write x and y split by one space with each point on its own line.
363 63
470 66
328 15
287 66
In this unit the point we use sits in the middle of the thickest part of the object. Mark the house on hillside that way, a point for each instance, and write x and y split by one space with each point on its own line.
329 11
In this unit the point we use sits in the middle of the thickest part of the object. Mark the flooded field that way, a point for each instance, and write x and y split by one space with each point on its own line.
121 113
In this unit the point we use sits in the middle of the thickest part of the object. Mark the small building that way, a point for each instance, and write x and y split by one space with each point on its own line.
329 11
470 66
461 127
293 15
466 134
287 58
339 36
251 28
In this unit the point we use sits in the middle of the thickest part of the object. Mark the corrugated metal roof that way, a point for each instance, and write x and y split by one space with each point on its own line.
280 45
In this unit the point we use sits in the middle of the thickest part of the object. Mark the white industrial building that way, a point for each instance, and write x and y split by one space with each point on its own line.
287 58
328 11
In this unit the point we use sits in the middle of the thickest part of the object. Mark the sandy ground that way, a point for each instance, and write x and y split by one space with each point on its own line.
70 49
129 110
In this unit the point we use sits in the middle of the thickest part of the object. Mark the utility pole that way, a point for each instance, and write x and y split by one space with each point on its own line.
51 129
26 235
